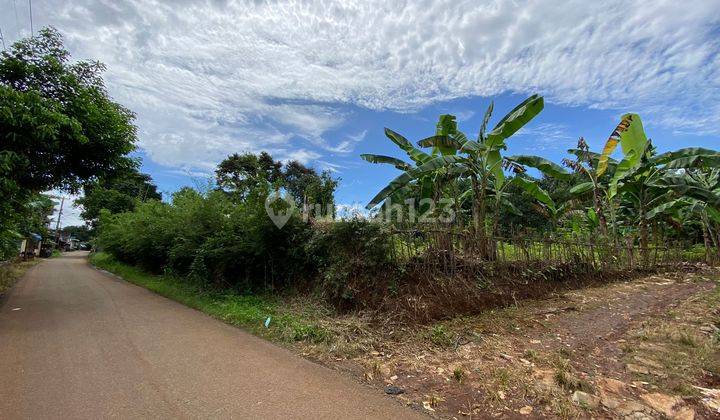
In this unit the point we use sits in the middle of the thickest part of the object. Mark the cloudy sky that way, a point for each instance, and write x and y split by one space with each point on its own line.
318 80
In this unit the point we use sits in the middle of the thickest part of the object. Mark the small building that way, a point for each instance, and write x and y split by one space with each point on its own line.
30 246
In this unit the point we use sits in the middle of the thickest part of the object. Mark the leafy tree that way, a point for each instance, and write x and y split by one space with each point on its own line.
81 233
238 174
117 193
59 128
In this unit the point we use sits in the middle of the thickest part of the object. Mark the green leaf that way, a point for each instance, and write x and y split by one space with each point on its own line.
582 188
440 141
418 156
514 121
403 166
622 169
543 165
534 189
666 208
631 136
494 165
486 120
688 152
406 177
593 217
707 161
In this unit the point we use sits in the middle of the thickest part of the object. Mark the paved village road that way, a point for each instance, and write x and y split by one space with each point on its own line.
79 344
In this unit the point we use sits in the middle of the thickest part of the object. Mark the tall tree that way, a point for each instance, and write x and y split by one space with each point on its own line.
239 173
59 128
117 193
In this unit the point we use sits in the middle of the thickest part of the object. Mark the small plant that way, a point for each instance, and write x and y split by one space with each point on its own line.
440 336
458 374
531 354
311 333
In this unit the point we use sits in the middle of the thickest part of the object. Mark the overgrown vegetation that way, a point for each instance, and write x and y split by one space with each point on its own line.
248 311
10 273
58 130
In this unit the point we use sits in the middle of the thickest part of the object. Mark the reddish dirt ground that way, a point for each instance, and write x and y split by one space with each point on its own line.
634 349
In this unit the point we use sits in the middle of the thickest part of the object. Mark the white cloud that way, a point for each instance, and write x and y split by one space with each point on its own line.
70 215
216 77
545 136
348 145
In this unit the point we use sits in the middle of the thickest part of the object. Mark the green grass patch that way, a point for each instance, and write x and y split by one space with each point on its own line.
247 311
11 272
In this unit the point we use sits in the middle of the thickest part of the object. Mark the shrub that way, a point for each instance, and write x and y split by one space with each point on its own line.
353 257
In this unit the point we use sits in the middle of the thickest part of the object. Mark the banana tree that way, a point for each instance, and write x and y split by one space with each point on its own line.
693 178
481 162
421 187
586 163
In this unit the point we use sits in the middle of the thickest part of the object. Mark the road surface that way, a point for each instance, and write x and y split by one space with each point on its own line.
77 343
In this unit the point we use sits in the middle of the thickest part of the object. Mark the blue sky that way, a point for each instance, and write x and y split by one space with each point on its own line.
318 80
549 135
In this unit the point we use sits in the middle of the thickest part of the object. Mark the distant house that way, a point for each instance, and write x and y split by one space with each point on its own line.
31 245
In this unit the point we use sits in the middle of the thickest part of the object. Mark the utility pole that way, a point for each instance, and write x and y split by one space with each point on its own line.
57 225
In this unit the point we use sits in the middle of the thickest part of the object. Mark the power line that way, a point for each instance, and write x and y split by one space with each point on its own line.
17 20
32 32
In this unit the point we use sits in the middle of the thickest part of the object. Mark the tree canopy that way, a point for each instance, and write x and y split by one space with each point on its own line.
59 129
58 125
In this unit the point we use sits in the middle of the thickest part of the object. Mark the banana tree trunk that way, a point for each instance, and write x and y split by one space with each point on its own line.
479 217
707 233
597 199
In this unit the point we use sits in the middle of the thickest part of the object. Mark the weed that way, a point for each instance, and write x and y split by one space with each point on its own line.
10 273
458 374
564 352
531 354
502 377
440 336
310 332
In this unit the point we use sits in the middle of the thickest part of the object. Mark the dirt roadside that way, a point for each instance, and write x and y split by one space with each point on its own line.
648 348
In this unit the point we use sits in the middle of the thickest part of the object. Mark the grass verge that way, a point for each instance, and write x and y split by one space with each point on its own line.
11 272
247 311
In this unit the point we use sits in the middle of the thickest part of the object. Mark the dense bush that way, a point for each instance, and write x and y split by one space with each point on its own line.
218 242
353 259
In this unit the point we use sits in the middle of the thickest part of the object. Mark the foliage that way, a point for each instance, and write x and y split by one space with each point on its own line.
20 218
353 259
81 233
116 193
240 174
58 130
219 239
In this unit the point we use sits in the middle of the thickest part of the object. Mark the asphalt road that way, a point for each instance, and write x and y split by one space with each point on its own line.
76 343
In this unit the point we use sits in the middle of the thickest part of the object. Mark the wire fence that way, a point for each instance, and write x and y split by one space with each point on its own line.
448 251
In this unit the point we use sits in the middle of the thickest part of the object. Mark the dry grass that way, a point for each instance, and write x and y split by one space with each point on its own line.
681 347
11 272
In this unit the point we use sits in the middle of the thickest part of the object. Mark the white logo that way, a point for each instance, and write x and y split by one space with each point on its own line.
279 208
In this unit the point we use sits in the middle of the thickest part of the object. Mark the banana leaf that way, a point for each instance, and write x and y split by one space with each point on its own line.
418 156
514 121
534 189
406 177
486 119
403 166
630 135
543 165
581 188
688 152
